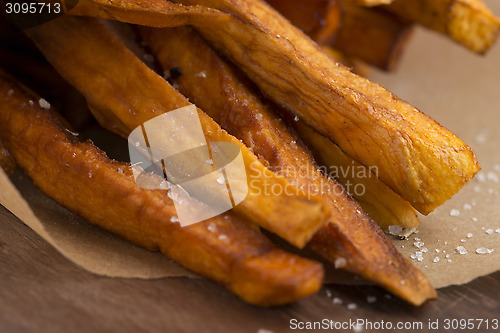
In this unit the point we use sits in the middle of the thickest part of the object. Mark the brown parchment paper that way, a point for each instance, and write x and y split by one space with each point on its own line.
459 89
86 245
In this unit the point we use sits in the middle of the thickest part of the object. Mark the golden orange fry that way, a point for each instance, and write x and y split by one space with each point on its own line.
468 22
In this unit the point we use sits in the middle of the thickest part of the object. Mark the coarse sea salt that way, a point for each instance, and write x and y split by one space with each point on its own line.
174 219
469 235
340 262
436 259
492 177
395 230
337 301
489 231
461 250
352 306
467 207
44 104
454 212
221 180
483 250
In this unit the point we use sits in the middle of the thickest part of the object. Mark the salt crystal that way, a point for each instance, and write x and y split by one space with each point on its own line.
436 259
449 260
454 229
258 116
209 161
424 250
328 293
371 299
454 212
164 185
497 231
447 256
417 239
474 219
420 259
467 207
337 301
296 118
489 231
492 177
481 137
445 243
222 237
202 74
120 170
469 235
395 230
340 262
263 330
221 180
481 177
463 240
418 244
437 250
31 103
483 250
352 306
174 219
461 250
212 227
403 282
44 104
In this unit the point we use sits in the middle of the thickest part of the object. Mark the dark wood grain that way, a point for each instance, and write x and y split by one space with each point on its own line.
41 291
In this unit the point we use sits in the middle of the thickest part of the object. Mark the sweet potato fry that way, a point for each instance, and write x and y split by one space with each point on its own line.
210 82
468 22
374 36
7 162
82 178
124 93
319 19
416 157
377 200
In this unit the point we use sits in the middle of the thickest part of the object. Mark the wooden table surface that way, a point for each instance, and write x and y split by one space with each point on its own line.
41 291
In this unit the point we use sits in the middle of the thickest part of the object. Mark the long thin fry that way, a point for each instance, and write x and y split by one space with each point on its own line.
319 19
350 237
374 36
83 179
468 22
416 157
124 93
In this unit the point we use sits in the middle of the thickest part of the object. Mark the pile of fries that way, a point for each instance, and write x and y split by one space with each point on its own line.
269 80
